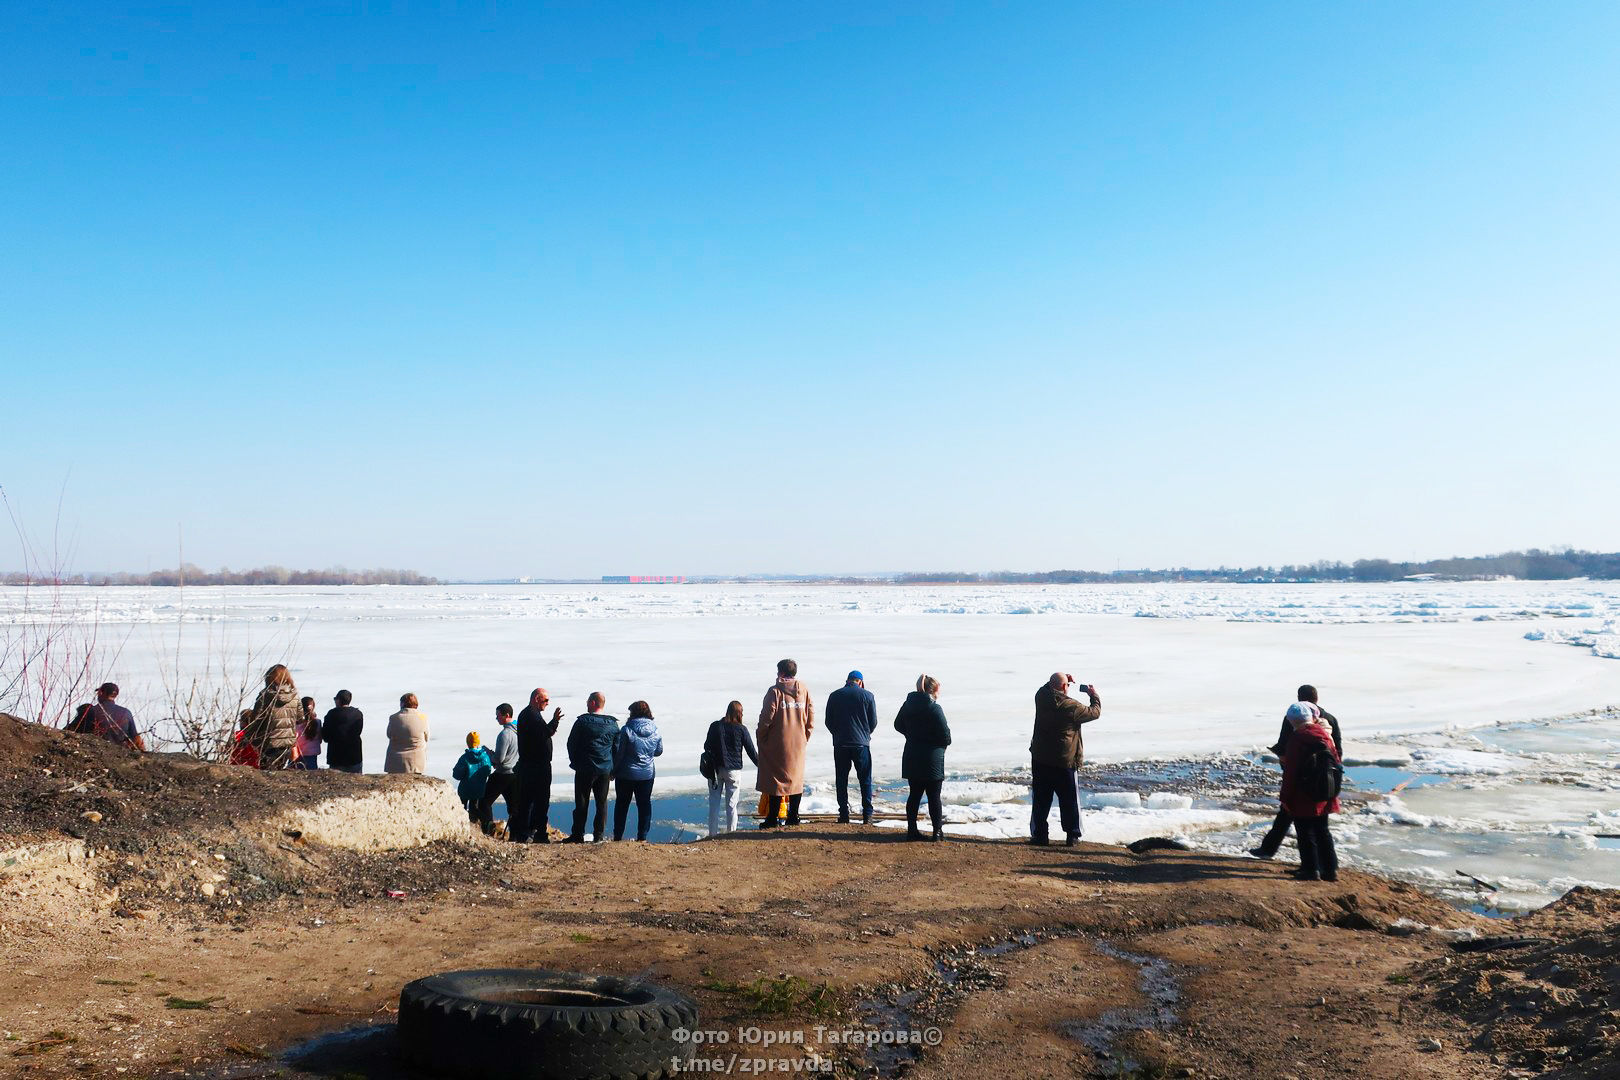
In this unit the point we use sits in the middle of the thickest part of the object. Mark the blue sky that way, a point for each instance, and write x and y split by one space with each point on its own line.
487 289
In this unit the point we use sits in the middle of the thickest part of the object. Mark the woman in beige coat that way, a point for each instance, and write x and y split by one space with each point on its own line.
784 729
407 738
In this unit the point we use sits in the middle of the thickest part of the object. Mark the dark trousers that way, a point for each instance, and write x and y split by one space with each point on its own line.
498 785
1279 832
531 808
588 782
355 768
1316 854
1049 780
775 812
861 758
936 812
624 791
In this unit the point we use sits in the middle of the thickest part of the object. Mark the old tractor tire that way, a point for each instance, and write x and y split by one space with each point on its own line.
521 1024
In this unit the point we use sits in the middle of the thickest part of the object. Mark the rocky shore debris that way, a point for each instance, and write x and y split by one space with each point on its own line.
1546 1000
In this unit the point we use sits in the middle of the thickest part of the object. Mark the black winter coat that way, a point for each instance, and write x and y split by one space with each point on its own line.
341 730
534 734
922 722
726 744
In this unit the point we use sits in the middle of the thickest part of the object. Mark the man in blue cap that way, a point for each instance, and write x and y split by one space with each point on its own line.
852 717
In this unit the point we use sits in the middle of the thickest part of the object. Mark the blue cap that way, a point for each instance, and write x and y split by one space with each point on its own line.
855 676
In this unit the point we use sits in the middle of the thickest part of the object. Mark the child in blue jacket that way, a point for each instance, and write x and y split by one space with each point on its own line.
472 769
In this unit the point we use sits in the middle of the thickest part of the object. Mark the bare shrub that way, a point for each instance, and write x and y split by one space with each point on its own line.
51 648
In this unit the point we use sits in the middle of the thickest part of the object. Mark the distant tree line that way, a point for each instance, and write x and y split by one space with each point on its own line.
1533 565
188 574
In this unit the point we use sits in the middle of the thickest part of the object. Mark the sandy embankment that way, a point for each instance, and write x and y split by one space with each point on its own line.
1179 963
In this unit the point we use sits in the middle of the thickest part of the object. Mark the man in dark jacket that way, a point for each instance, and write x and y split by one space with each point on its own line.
534 732
1056 752
851 718
341 730
1279 828
590 755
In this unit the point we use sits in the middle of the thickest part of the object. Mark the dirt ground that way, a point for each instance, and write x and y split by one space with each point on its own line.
1025 961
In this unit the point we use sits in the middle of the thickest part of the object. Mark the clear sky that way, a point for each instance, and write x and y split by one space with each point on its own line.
490 289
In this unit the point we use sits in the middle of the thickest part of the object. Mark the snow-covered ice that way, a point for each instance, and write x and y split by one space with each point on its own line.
1482 689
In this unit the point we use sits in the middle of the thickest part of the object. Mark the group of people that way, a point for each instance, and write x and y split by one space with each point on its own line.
600 752
1311 749
282 730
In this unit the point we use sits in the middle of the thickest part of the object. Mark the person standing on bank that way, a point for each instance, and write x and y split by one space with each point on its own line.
341 730
634 748
273 727
1318 861
727 741
590 755
532 811
851 719
1279 828
922 763
785 723
473 770
307 750
1056 752
503 780
407 738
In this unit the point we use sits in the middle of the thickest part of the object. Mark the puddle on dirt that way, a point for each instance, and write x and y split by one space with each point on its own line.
1157 985
366 1051
954 974
959 973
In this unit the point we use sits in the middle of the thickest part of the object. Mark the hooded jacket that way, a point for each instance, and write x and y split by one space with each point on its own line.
1305 742
1058 717
473 771
785 722
590 742
634 748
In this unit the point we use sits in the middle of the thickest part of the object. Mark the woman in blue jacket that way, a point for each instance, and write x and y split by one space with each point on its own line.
634 748
922 722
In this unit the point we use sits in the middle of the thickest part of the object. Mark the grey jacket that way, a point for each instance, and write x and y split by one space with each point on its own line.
506 749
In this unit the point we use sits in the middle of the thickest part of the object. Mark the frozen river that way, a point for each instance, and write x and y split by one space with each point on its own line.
1420 674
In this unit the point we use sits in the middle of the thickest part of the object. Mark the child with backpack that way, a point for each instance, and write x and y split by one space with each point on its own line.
1312 774
472 770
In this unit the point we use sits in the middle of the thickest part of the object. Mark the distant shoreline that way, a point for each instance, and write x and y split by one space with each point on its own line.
1532 565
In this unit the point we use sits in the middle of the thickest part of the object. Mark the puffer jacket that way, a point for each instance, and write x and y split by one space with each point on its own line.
277 716
634 748
1058 717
